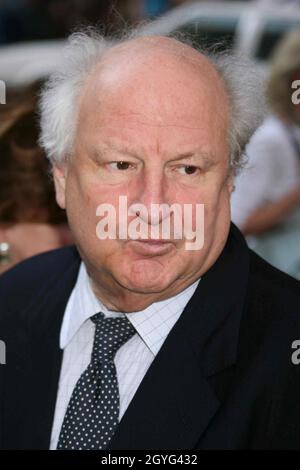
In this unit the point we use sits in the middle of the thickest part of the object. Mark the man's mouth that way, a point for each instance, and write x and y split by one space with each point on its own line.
152 246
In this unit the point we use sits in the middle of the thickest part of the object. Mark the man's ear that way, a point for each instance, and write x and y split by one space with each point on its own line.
59 176
230 182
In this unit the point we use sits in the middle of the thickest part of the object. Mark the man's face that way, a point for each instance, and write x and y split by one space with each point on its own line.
157 134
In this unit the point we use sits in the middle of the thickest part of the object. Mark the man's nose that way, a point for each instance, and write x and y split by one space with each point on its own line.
151 197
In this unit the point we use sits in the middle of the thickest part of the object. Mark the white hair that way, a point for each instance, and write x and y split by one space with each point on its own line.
59 98
246 90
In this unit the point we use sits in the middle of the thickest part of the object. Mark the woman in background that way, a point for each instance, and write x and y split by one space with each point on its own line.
30 220
266 202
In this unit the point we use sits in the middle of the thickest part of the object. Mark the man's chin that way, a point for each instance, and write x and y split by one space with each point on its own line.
144 287
146 283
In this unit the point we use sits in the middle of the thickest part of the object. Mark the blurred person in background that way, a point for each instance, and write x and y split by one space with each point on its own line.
266 201
30 220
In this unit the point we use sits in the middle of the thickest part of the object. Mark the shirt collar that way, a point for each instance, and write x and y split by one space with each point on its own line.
153 324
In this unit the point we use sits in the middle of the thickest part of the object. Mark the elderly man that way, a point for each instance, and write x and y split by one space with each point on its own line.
140 341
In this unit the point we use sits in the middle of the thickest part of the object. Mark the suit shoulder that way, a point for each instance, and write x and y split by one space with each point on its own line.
28 277
267 351
272 280
273 302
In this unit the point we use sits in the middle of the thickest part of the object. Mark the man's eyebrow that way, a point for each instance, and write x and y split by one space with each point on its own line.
108 148
206 158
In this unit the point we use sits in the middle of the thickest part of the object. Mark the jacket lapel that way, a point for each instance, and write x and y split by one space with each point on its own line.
175 402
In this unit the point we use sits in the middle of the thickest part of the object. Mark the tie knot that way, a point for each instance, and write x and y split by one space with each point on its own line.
110 335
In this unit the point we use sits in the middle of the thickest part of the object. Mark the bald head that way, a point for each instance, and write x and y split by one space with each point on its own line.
156 65
162 70
156 81
142 49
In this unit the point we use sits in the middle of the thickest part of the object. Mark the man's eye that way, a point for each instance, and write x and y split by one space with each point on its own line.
188 170
120 165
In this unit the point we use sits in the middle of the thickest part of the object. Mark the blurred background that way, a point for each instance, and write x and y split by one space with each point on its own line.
266 201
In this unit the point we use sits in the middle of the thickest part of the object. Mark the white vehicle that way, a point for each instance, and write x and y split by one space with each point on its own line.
23 63
249 28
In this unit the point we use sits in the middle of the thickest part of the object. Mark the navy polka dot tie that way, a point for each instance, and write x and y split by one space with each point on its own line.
93 411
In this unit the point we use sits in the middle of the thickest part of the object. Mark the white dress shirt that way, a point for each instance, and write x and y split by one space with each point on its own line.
132 360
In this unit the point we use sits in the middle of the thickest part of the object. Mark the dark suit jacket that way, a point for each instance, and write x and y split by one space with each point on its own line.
223 378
